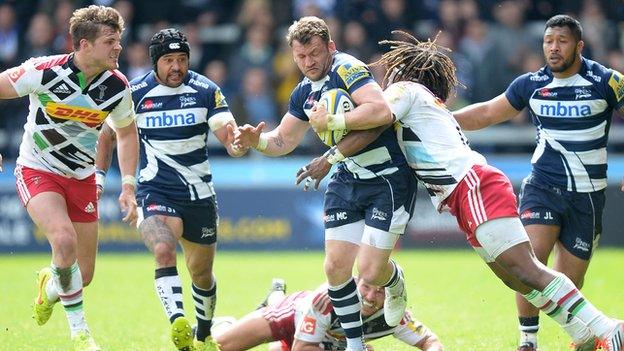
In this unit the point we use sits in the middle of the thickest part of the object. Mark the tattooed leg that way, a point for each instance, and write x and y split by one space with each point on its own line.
160 240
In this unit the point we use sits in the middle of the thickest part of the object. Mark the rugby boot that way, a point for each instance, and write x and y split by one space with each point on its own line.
182 334
592 344
43 307
527 346
207 345
615 340
277 284
395 304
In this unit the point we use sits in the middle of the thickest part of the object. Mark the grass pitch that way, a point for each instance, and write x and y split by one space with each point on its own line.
450 291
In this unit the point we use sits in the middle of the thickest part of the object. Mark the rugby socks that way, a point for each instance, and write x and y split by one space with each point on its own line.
562 291
169 290
528 330
69 283
573 326
347 306
205 302
395 285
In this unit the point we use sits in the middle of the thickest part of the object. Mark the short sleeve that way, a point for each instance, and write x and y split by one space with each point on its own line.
616 90
123 114
313 324
217 102
295 104
25 78
515 93
398 97
354 76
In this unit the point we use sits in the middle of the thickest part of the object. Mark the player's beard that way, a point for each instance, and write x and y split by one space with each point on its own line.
565 64
324 70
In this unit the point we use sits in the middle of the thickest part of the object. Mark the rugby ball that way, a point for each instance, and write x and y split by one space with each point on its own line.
336 101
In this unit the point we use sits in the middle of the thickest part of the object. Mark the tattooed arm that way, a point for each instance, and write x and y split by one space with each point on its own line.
280 141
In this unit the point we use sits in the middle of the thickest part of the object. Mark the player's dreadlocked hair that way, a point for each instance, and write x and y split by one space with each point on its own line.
421 62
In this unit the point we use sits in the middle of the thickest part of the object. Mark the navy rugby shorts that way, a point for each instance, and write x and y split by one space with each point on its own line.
376 201
579 215
199 217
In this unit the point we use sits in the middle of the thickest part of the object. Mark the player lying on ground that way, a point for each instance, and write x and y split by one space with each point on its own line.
306 321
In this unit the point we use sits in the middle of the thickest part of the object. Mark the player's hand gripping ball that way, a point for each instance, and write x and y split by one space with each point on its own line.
336 101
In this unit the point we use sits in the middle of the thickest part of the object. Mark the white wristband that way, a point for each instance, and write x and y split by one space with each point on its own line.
100 177
129 180
263 142
333 155
337 122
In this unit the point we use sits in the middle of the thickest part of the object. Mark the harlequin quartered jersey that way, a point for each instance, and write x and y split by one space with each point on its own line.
434 145
173 128
572 116
323 327
381 157
66 113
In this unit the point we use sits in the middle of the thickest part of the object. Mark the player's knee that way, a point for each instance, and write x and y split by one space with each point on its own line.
64 244
336 268
165 254
371 272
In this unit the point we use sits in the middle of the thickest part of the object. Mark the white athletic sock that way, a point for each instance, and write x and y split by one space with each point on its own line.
577 330
563 292
71 296
395 284
205 302
169 290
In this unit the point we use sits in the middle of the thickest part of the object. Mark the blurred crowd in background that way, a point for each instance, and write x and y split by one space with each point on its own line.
240 44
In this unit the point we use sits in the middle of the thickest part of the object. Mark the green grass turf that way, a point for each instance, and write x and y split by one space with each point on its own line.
450 291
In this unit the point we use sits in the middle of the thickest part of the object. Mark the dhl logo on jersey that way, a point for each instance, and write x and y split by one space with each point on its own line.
85 115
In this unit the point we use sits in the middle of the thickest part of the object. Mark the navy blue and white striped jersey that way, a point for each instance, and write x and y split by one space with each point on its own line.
383 156
572 116
173 128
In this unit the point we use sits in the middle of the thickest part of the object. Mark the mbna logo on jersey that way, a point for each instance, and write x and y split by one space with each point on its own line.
564 109
169 120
